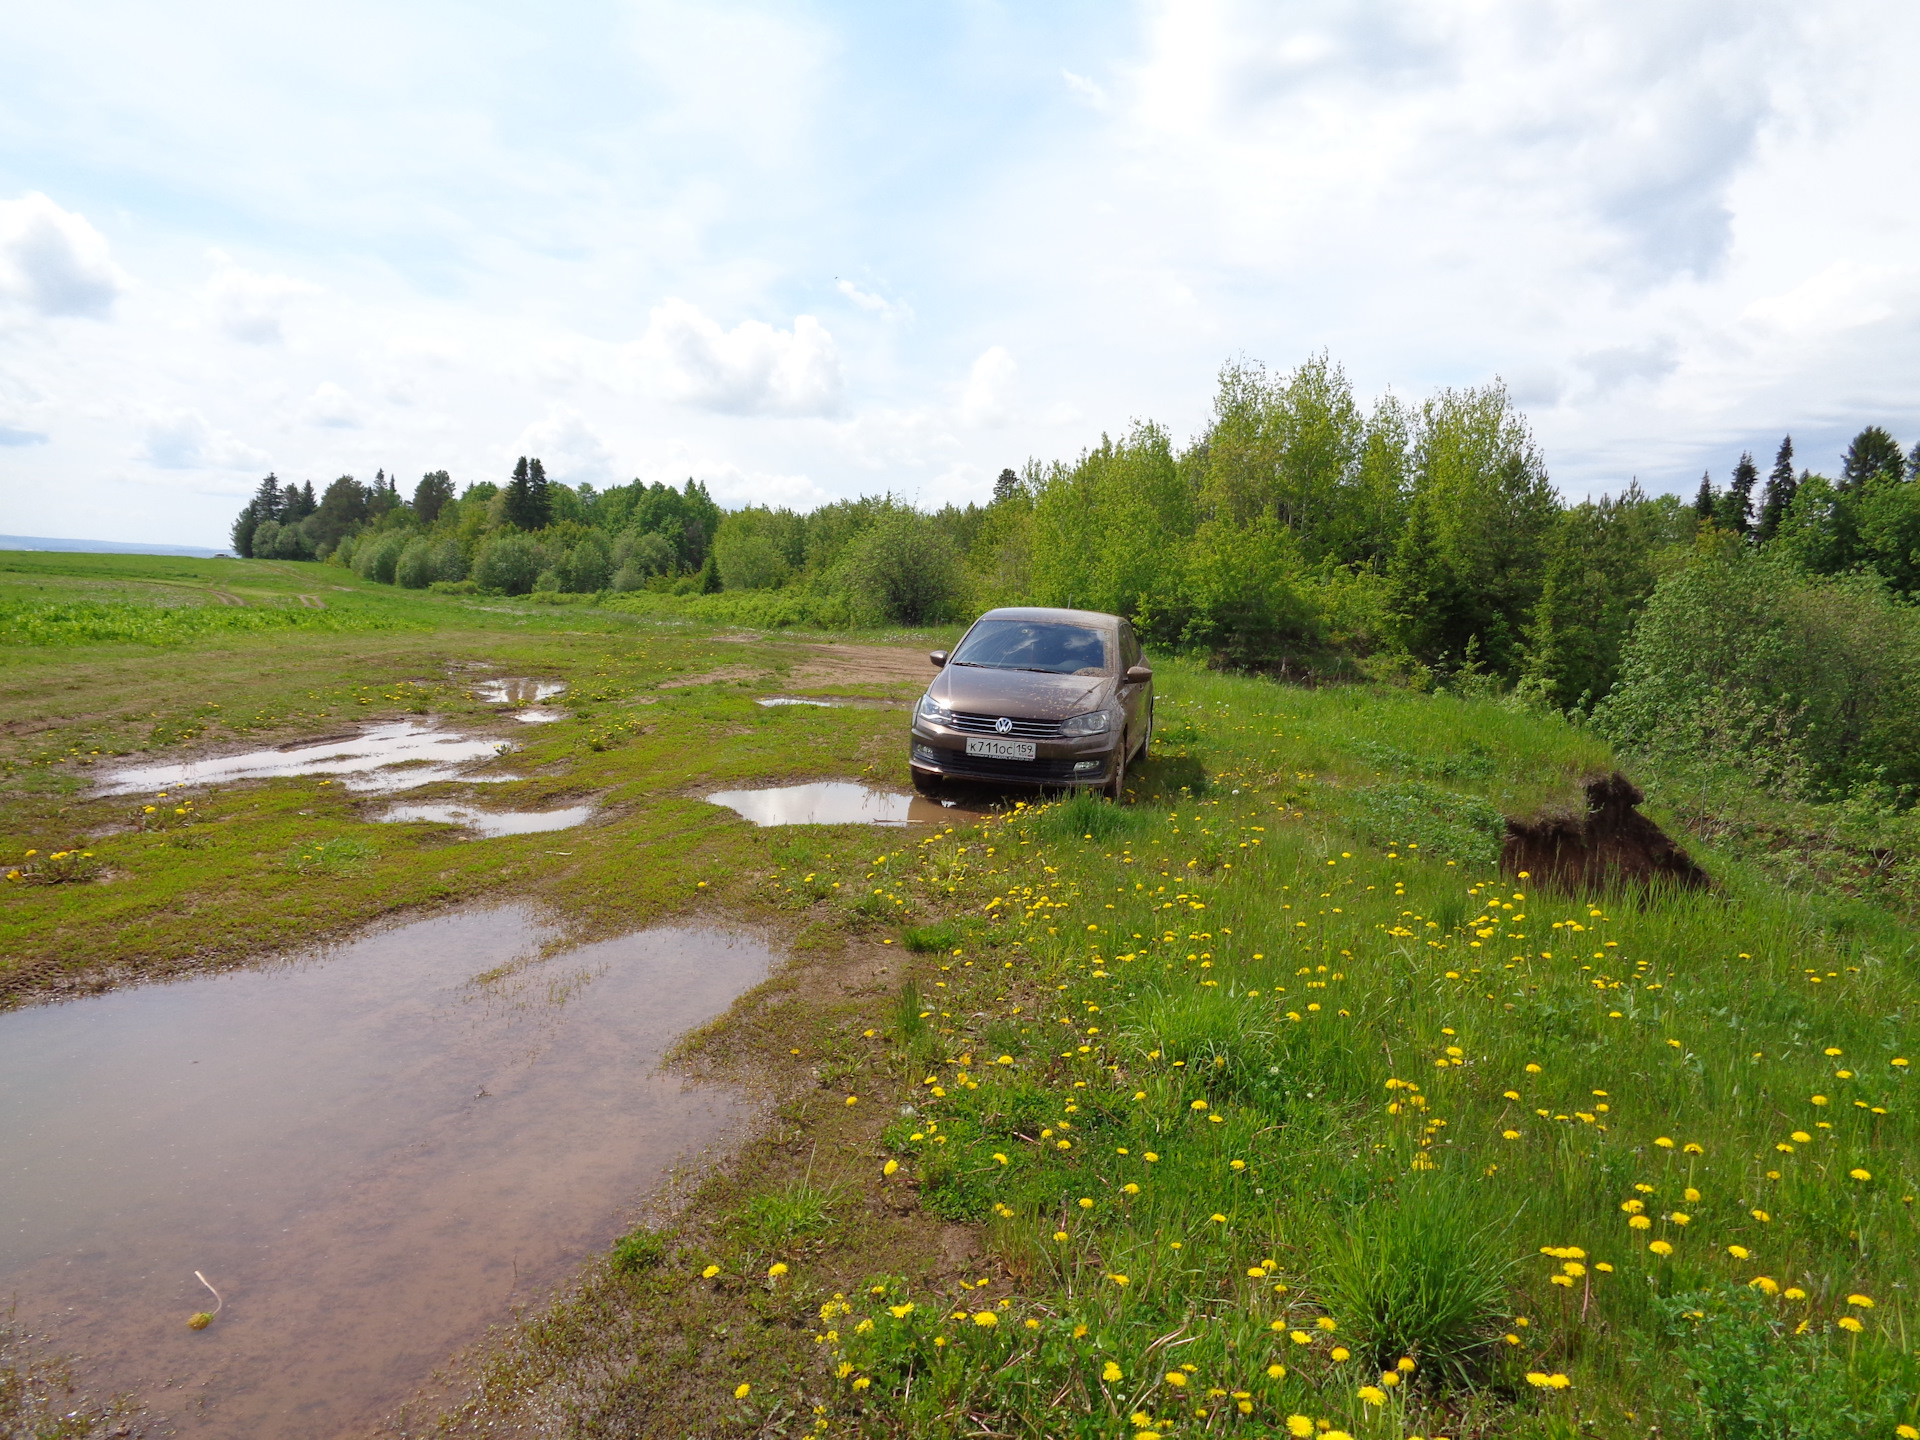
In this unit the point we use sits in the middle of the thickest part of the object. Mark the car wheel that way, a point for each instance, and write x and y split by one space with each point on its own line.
1116 786
1146 739
926 784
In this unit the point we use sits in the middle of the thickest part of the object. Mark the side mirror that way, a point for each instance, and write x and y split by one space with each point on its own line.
938 657
1139 675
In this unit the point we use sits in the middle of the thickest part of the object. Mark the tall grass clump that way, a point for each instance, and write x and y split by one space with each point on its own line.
1422 1273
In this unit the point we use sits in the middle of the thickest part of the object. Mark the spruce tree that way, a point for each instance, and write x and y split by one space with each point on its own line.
1008 485
1781 488
517 509
1873 456
268 503
539 502
1703 502
1733 510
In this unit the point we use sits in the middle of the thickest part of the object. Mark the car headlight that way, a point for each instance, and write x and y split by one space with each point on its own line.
931 709
1094 722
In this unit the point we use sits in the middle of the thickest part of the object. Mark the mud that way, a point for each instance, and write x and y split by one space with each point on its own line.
862 664
373 1155
1609 846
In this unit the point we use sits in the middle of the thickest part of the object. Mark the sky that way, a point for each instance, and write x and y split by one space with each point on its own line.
805 251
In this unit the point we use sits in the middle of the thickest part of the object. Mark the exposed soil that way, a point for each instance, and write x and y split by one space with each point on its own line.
1612 845
862 664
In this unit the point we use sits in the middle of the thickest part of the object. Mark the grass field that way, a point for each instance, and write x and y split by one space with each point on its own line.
1262 1105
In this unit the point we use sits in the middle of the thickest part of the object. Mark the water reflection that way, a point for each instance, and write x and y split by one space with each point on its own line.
833 702
371 1156
491 823
396 756
518 692
835 802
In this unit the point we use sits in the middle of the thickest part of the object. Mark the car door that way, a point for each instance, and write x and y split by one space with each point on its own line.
1133 698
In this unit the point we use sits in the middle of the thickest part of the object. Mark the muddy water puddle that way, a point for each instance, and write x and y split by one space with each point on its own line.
488 824
396 756
837 802
372 1157
518 692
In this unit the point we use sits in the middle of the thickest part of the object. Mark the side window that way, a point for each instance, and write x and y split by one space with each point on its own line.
1129 647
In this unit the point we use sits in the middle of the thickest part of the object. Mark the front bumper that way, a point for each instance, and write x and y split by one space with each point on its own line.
1085 760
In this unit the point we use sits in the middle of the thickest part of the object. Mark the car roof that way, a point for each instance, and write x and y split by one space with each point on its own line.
1093 618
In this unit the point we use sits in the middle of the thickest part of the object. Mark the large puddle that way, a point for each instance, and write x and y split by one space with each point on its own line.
396 756
491 823
371 1158
836 802
834 702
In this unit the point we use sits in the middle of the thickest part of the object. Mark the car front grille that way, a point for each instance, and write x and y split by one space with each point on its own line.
983 767
1022 729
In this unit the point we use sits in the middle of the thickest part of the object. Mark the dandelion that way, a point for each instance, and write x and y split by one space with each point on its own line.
1661 1248
985 1319
1738 1252
1850 1325
709 1272
742 1390
1299 1337
1121 1280
1405 1365
1198 1105
1086 1202
1509 1134
1299 1426
777 1269
1061 1236
853 1099
1859 1174
998 1158
1176 1379
1664 1142
1765 1284
1865 1302
1218 1218
1762 1216
1906 1432
900 1312
1276 1372
1341 1354
1373 1394
1111 1374
892 1167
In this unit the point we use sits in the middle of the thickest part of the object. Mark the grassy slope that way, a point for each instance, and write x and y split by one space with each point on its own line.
1128 965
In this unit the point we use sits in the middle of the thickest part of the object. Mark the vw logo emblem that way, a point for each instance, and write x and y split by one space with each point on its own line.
1003 726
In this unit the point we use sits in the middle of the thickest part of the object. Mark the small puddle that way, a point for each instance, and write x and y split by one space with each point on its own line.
397 756
833 702
518 692
537 717
836 802
371 1156
490 823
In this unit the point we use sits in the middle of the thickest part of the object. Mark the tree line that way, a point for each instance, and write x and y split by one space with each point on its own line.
1300 532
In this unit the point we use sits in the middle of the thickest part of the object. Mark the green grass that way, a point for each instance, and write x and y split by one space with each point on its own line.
1229 1065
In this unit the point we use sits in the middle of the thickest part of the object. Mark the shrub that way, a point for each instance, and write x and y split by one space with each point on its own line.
415 569
376 558
509 564
588 566
903 570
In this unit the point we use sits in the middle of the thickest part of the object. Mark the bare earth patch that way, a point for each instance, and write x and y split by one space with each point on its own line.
862 664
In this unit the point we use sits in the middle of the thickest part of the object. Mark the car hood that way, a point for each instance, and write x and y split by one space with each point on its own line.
1020 694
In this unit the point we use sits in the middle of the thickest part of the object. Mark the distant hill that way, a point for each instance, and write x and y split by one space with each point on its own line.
101 547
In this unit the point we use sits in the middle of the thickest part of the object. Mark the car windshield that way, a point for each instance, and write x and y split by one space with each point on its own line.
1034 645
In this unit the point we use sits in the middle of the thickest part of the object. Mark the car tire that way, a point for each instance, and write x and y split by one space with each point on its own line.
1116 787
1146 739
926 784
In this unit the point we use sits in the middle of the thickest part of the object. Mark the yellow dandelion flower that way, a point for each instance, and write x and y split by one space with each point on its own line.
1175 1378
1661 1248
777 1269
1299 1426
1859 1174
1276 1372
1341 1354
1373 1394
1863 1301
742 1390
1327 1323
1850 1325
709 1272
985 1319
892 1167
1111 1373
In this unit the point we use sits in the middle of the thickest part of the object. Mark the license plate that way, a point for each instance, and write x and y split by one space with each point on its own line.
1001 749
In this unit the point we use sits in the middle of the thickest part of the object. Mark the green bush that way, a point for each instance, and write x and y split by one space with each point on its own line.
377 558
1745 663
509 564
903 570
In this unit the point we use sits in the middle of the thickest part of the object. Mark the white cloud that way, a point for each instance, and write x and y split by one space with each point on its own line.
568 447
332 408
184 440
1085 90
53 261
988 400
248 305
875 303
752 369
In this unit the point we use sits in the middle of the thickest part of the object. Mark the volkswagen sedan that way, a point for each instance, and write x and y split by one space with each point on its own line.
1036 697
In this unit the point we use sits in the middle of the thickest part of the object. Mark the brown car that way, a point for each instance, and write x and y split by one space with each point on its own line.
1036 697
